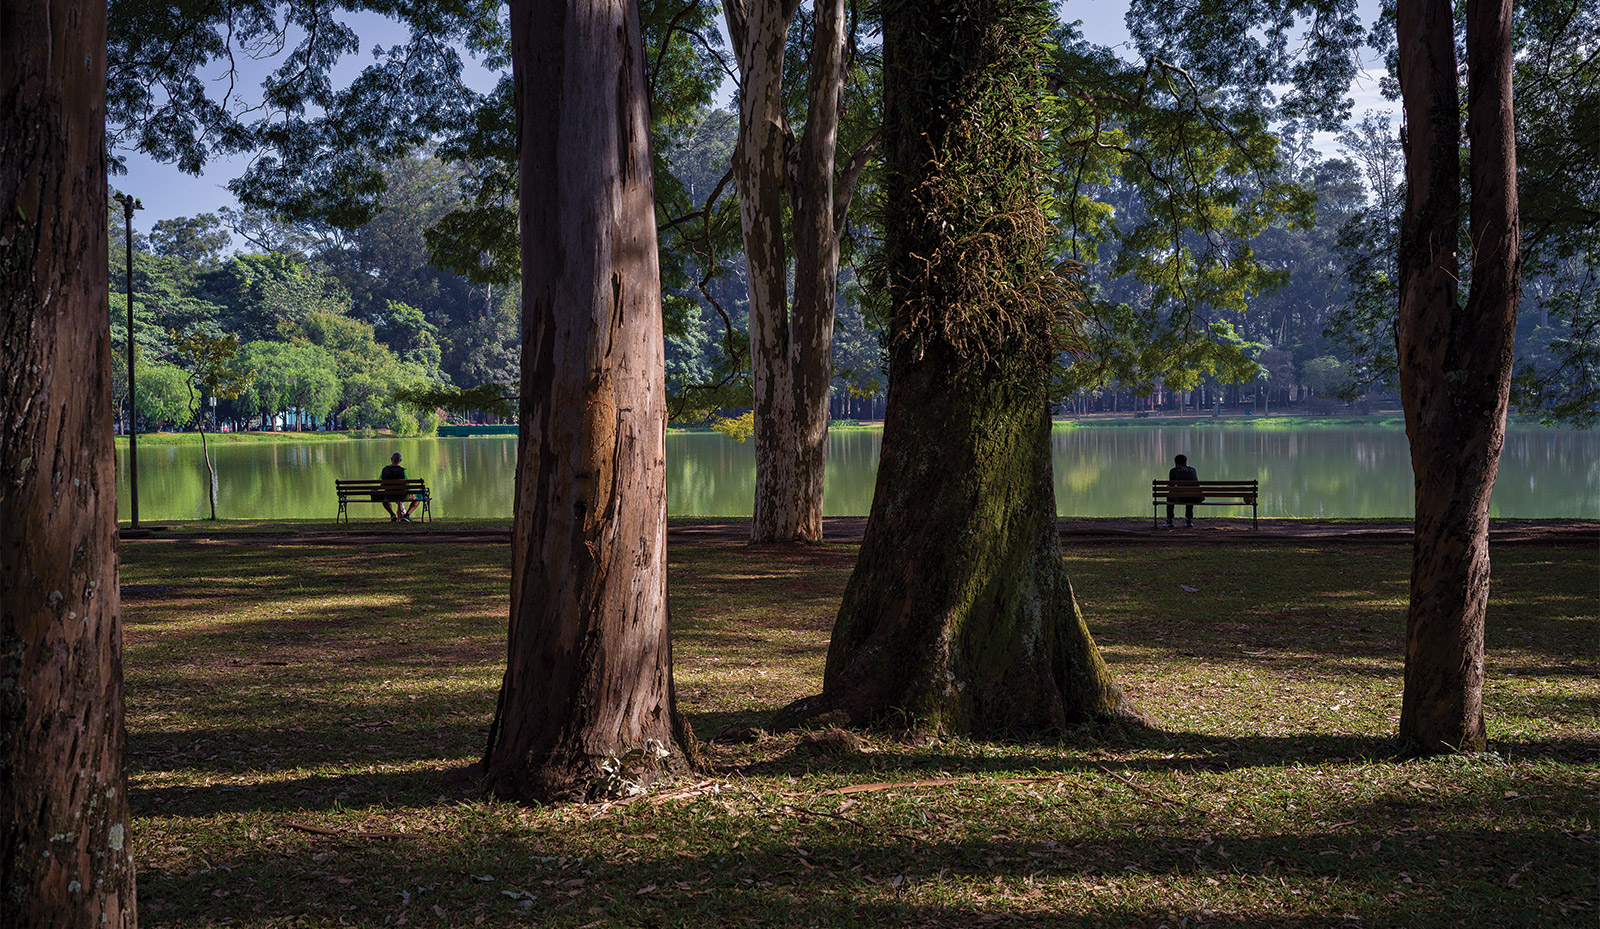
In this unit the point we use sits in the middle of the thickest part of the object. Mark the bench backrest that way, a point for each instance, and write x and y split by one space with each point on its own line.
377 485
1160 488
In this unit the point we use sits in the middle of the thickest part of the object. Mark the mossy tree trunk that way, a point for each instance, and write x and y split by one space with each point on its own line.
1454 360
589 663
959 615
64 846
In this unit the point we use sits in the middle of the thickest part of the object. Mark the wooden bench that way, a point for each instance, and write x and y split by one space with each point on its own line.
381 491
1203 493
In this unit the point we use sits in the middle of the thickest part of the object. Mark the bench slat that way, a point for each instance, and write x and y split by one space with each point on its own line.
378 490
1173 493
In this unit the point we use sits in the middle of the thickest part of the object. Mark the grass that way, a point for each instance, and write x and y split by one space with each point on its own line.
300 715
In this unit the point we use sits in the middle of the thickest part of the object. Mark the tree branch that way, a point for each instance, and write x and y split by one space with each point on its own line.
845 191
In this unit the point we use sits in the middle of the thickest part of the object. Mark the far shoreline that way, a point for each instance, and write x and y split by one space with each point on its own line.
1163 419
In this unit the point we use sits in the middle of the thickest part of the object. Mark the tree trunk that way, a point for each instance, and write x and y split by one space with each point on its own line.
64 845
816 282
589 664
1454 361
791 348
959 615
211 473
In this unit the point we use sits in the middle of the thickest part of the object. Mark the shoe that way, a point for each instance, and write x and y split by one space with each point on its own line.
405 519
394 519
1168 525
1188 524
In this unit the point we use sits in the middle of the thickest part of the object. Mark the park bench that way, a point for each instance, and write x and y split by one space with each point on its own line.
379 491
1202 493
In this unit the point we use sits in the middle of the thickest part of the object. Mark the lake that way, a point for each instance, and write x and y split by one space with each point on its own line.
1316 471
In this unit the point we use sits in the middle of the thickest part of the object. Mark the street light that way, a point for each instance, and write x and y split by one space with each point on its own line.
129 204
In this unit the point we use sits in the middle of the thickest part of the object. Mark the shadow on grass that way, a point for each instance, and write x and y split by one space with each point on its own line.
1179 753
309 793
803 871
437 757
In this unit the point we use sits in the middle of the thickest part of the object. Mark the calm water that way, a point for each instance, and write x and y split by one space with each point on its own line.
1100 471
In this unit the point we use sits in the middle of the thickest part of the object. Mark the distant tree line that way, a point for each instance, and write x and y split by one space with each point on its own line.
333 324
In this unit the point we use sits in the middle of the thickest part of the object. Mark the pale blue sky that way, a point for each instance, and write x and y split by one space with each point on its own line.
167 192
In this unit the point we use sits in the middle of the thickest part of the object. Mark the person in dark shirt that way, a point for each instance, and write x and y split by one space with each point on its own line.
1183 473
405 504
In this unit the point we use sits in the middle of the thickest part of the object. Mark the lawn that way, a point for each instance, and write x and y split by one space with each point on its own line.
301 715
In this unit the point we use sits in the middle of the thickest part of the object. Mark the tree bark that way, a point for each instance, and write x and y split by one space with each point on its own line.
791 348
64 846
589 664
1454 360
959 616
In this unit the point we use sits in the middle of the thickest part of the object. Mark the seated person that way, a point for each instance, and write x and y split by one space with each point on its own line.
404 502
1183 473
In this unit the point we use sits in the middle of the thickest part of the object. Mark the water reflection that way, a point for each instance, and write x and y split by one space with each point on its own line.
1100 471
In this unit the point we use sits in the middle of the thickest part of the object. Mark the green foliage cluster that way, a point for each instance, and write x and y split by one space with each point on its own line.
1217 247
1557 86
1165 186
267 335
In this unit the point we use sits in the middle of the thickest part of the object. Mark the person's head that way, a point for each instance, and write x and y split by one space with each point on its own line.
396 458
1182 460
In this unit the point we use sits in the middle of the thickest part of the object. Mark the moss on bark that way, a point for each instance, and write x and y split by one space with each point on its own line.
960 616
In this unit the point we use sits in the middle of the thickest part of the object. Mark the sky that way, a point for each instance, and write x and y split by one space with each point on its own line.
167 192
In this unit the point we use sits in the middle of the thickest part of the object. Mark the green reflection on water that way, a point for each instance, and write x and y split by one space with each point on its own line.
1325 471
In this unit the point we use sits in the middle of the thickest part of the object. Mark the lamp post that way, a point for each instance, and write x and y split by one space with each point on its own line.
129 204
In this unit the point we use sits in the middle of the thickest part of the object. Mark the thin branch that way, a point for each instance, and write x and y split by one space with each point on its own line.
846 188
666 40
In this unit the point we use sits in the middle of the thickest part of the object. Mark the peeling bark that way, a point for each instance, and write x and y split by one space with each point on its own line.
1454 360
589 663
64 847
791 346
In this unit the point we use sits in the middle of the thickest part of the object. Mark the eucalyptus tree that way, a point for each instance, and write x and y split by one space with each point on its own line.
480 238
65 851
589 663
794 181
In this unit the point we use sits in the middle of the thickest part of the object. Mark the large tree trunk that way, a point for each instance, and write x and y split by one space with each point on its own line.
791 348
589 664
64 846
960 616
1455 362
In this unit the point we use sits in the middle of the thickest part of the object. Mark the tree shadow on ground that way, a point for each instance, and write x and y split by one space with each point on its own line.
1153 751
796 869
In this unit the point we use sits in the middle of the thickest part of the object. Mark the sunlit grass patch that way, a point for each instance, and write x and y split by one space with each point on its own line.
301 717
